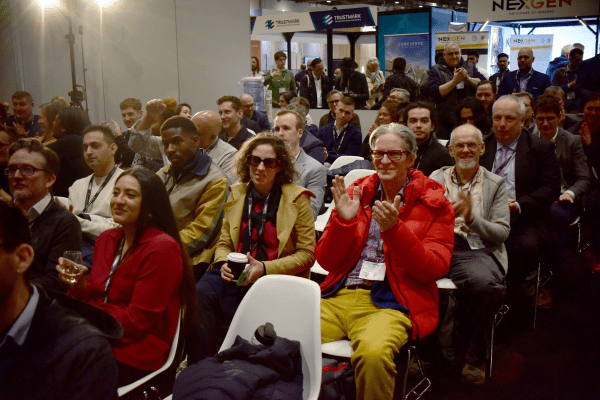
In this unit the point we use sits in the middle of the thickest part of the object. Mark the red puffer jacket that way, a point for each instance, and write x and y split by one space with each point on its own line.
417 250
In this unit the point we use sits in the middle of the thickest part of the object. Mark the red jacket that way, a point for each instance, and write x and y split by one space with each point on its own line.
144 296
417 250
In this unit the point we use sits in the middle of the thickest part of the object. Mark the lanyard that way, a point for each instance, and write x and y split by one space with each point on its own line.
262 225
460 184
89 202
339 136
508 159
114 268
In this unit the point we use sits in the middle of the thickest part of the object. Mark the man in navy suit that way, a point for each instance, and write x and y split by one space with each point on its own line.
525 79
289 126
340 137
531 172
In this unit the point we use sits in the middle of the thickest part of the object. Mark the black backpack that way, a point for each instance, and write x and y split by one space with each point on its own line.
337 380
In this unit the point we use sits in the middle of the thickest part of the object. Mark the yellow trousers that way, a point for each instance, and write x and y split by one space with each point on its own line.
377 335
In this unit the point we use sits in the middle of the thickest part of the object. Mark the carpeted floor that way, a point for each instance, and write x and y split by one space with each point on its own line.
560 359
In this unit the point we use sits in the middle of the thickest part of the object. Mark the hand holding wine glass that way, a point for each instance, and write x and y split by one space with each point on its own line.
71 270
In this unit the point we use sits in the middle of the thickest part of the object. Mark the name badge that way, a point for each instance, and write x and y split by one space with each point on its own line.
570 95
372 271
461 85
475 241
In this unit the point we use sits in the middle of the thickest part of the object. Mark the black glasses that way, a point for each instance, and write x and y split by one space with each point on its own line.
394 155
269 162
25 170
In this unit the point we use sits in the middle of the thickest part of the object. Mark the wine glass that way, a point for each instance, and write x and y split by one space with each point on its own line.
71 269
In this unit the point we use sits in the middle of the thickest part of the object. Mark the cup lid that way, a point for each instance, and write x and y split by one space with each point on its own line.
237 257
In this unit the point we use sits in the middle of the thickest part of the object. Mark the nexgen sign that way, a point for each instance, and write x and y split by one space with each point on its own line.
514 10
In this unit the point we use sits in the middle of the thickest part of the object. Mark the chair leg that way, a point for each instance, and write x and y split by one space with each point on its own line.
497 318
540 282
416 390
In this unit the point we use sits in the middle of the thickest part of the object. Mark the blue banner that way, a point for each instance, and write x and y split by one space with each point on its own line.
414 48
348 18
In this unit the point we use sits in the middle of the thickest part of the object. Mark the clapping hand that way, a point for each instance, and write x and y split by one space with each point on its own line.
386 213
346 207
20 128
462 206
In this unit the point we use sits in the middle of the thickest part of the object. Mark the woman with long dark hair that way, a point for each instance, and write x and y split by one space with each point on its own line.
68 125
142 275
267 218
471 110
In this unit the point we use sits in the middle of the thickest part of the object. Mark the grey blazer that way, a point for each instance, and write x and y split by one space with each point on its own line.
574 172
495 226
312 176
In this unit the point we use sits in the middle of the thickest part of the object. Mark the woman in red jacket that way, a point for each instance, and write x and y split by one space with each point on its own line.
141 275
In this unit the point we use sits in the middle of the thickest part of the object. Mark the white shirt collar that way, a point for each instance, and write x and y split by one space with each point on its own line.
39 207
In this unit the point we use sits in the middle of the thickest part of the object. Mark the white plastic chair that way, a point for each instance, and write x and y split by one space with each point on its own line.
123 390
348 179
293 305
343 160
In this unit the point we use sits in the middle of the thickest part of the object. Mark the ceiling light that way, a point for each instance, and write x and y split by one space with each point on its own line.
420 6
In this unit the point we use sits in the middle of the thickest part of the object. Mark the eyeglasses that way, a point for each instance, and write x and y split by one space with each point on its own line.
393 155
333 101
25 170
470 146
269 163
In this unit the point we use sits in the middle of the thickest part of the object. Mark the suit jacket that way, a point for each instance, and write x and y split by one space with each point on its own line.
308 90
295 230
312 146
262 120
312 176
357 85
349 145
250 124
66 353
537 173
536 86
494 225
574 172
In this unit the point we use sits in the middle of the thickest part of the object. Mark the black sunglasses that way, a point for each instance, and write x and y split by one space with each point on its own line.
255 161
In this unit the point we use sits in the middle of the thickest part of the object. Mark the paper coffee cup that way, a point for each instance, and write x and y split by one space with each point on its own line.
237 263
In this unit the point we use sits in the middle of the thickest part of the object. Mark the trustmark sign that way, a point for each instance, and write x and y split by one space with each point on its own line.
316 20
513 10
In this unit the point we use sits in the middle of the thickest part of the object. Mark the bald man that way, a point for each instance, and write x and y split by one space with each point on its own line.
525 79
251 114
208 123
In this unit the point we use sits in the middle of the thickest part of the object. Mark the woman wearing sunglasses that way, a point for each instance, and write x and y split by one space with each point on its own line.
141 275
267 218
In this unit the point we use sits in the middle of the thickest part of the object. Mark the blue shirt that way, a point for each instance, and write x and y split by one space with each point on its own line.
523 80
508 168
20 328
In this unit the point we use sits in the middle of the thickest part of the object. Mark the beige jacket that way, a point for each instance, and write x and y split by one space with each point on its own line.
295 230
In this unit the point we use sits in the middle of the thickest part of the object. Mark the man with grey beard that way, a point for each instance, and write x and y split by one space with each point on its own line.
479 259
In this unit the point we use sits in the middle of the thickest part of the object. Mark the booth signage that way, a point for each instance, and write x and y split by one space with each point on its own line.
466 40
541 45
515 10
316 20
414 48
